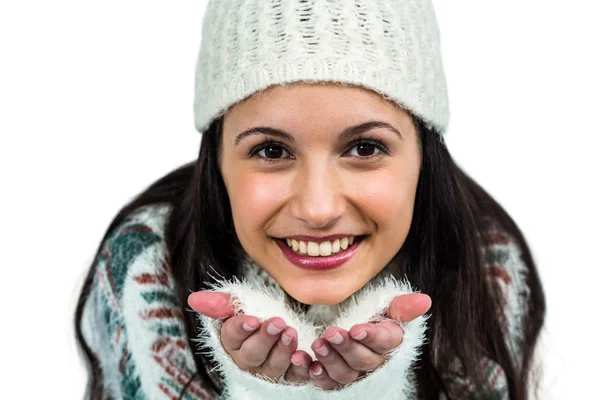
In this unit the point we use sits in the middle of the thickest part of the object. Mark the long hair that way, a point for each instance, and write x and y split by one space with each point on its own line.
441 257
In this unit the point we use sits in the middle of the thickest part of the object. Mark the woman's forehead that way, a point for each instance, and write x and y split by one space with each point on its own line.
306 103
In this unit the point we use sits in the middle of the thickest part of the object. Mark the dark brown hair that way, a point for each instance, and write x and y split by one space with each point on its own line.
441 257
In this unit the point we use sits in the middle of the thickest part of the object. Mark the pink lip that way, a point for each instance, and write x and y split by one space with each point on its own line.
319 263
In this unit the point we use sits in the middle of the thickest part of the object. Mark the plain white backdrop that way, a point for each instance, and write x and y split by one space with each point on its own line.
96 103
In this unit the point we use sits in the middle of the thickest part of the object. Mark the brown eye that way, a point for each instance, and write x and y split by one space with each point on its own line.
272 152
366 150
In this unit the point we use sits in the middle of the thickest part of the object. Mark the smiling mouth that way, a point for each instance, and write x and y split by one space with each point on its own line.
320 249
306 255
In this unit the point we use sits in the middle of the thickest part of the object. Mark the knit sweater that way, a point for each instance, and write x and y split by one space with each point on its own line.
133 323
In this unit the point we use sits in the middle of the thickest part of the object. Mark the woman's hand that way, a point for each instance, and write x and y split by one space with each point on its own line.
343 356
265 348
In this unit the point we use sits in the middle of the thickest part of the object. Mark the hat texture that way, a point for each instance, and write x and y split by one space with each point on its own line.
389 46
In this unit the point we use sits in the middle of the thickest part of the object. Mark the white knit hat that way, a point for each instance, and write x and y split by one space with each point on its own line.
389 46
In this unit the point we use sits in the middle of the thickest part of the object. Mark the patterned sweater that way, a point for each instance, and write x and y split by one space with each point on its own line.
133 324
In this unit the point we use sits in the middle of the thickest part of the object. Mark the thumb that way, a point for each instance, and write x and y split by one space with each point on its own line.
212 304
407 307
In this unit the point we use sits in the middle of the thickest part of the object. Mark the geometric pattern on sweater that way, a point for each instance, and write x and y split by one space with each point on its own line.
505 270
133 323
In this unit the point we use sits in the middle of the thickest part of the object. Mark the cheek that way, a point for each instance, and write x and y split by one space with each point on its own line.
254 200
388 199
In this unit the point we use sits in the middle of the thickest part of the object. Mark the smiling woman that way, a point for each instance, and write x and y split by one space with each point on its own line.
331 246
343 163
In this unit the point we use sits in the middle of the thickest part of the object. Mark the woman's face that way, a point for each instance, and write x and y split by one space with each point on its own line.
307 172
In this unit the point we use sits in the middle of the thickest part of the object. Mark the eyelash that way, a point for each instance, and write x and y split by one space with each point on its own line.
269 143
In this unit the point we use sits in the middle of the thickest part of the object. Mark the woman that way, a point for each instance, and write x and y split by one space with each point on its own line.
326 240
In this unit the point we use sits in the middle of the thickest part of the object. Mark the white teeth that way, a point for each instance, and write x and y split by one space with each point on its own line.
313 249
335 247
302 247
323 249
344 243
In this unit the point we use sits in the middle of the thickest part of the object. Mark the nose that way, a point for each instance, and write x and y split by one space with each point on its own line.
319 200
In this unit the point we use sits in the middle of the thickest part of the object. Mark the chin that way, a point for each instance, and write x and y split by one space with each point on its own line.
311 296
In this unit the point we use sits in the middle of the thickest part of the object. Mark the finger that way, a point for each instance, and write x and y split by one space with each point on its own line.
236 330
407 307
336 367
319 376
380 338
212 304
256 348
358 356
298 371
279 358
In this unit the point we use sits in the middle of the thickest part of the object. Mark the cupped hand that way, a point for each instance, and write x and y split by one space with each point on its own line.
267 348
343 356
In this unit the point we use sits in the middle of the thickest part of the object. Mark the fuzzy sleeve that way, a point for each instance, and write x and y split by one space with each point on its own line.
132 321
369 306
506 274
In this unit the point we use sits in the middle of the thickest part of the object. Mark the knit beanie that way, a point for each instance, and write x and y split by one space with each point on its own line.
389 46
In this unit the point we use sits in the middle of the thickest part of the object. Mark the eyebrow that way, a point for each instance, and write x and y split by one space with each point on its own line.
346 133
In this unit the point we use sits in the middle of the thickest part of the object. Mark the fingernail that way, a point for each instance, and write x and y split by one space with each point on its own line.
272 329
336 339
323 350
318 371
286 339
248 328
429 308
296 364
361 336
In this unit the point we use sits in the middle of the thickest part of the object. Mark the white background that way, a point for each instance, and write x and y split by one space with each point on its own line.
96 103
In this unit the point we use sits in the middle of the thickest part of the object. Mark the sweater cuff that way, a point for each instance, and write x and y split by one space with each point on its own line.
393 380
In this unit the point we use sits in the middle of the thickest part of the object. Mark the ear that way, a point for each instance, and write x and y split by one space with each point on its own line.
407 307
212 304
